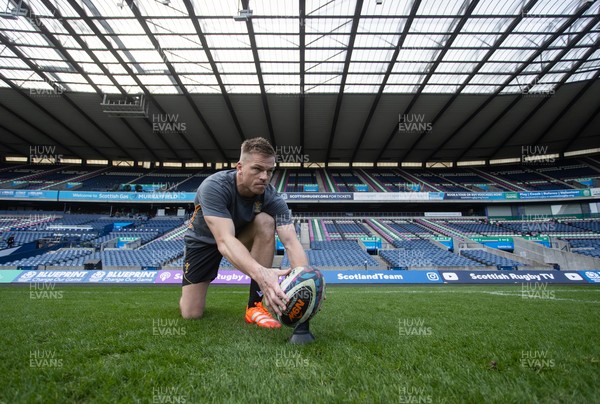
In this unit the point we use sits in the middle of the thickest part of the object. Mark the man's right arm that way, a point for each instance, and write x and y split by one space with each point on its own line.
223 231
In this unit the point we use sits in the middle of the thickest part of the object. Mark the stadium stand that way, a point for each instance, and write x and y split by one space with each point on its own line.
296 180
333 242
192 183
577 174
409 230
490 259
584 246
159 240
337 253
477 228
68 257
111 180
410 254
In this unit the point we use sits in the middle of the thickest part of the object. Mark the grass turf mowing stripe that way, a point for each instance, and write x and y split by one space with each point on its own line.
374 344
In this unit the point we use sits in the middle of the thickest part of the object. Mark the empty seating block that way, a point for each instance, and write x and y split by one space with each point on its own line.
488 258
422 253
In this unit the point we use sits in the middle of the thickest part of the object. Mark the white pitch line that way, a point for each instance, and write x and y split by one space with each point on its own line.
495 293
500 293
452 291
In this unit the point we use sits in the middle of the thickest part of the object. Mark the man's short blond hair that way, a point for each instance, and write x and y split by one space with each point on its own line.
258 145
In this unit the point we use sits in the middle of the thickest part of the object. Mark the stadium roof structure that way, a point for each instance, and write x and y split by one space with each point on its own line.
357 81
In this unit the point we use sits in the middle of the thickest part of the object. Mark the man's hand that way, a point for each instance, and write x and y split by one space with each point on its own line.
268 281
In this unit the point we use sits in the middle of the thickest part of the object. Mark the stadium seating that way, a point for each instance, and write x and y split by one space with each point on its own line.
490 259
64 257
409 230
135 258
333 242
502 178
590 247
356 259
592 226
478 228
422 253
294 180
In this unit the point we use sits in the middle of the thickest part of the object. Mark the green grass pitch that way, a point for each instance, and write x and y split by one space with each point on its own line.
381 344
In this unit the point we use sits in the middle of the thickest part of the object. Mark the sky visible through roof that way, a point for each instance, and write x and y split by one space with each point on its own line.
193 46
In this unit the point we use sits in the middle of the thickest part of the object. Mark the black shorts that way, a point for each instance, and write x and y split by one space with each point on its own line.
200 263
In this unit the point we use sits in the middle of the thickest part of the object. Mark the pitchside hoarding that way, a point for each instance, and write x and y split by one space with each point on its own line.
511 277
591 276
25 194
235 277
96 276
53 277
8 275
333 277
188 197
92 196
225 276
107 276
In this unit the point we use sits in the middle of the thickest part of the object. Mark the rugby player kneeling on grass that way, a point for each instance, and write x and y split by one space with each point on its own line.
235 214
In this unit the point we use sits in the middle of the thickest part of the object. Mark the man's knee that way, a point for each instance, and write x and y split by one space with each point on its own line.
191 313
262 228
191 303
265 224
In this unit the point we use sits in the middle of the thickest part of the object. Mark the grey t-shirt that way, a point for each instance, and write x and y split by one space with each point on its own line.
218 196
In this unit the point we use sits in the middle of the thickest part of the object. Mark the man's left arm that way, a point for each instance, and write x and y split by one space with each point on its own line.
295 252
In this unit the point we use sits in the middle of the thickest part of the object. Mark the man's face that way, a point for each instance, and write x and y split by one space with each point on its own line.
254 172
